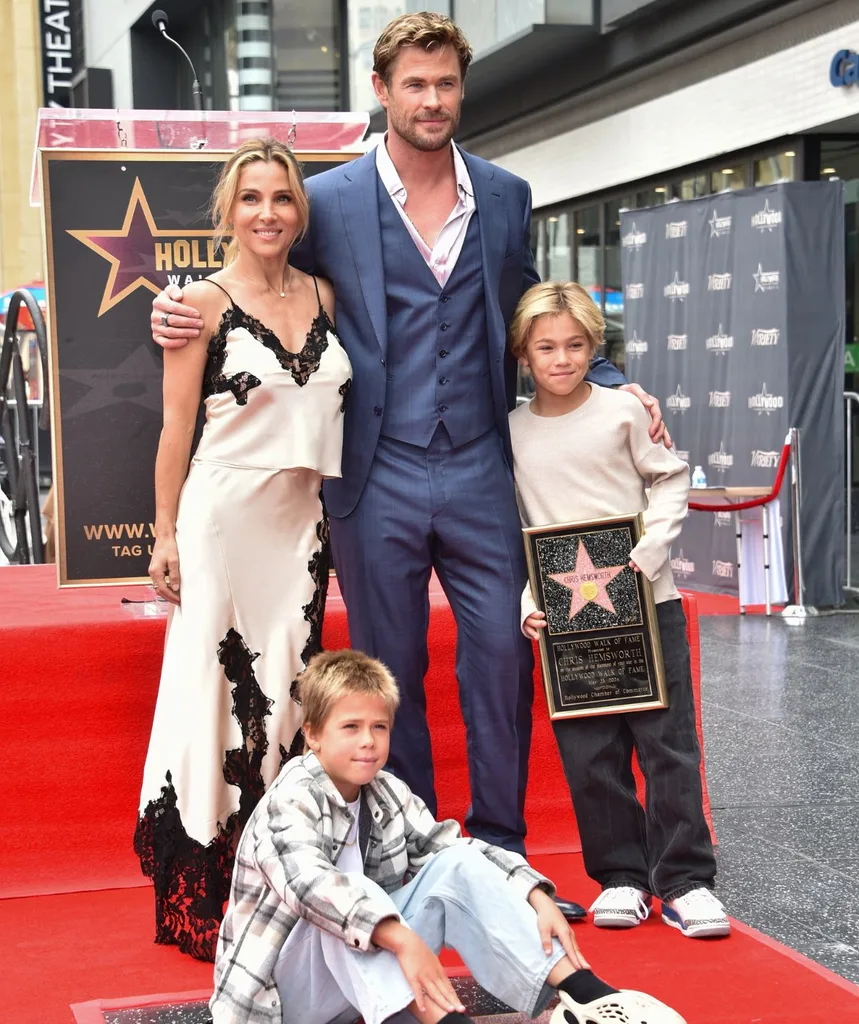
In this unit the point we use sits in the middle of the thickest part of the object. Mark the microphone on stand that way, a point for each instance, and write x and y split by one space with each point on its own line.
159 20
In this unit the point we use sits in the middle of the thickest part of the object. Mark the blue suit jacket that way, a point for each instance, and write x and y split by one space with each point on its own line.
343 243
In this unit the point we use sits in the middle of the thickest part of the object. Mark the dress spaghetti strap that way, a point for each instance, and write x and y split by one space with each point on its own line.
316 286
224 290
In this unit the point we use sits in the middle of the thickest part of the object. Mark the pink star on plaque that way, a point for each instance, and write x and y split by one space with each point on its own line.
587 583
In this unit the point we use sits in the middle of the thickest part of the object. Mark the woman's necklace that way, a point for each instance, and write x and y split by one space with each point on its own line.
286 280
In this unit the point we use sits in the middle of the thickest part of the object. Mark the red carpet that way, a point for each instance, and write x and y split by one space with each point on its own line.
75 714
78 948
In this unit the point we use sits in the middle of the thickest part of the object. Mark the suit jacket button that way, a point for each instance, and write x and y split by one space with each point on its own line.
377 410
444 327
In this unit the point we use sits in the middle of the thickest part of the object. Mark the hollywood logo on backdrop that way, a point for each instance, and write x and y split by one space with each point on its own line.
635 347
678 402
634 239
719 226
719 343
766 280
766 219
676 289
142 255
682 567
765 337
765 460
678 342
764 402
720 460
676 229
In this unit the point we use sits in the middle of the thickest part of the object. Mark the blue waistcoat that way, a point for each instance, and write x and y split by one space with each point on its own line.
438 349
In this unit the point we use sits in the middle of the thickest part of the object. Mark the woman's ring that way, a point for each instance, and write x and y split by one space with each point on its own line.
164 319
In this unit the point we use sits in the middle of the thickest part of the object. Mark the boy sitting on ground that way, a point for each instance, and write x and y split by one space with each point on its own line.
345 890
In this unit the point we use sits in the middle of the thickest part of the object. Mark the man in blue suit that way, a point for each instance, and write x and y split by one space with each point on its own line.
428 251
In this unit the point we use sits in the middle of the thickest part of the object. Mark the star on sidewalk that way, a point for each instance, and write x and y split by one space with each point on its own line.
587 583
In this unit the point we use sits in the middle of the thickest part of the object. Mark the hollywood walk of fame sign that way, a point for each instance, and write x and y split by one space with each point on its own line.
119 225
600 650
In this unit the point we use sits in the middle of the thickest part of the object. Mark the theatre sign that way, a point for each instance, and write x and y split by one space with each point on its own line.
55 31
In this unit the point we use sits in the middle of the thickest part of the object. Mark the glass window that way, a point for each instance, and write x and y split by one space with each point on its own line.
307 37
558 248
589 252
366 21
690 188
773 169
651 197
730 177
538 245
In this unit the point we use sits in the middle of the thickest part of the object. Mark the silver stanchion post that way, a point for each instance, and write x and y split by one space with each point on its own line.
800 611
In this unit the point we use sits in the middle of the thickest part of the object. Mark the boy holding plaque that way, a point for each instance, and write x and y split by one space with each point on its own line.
582 453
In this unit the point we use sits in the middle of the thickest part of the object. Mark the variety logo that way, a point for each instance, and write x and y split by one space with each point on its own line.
676 229
678 402
722 518
764 402
635 291
765 337
720 460
766 280
683 456
677 289
766 219
719 282
720 399
634 239
678 342
719 226
724 570
765 460
635 346
681 566
720 343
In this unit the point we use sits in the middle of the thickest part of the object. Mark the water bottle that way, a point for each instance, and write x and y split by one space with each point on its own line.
698 478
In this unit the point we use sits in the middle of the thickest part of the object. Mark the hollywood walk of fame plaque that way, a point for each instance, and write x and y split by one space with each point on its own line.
600 650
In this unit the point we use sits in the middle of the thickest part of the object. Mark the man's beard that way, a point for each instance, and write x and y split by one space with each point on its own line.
409 131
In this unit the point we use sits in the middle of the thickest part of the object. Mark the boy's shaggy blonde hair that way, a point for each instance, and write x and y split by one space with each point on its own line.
552 298
331 675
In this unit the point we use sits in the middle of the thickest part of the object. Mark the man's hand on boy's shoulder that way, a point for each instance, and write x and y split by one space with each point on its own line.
658 430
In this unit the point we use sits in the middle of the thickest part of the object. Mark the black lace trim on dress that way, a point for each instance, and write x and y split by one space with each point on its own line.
214 381
192 881
302 365
344 391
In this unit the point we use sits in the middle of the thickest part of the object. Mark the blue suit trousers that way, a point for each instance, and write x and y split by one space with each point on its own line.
452 510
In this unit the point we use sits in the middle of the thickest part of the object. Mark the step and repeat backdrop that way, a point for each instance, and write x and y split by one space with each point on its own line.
734 318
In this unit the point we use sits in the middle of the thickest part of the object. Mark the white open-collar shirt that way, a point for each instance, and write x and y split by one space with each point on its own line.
440 258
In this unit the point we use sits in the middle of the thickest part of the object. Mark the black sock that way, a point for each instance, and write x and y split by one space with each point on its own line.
456 1018
583 986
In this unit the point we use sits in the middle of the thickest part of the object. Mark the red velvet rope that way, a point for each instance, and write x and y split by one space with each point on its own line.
752 502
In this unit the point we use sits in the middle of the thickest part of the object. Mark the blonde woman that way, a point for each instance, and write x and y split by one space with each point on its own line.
241 546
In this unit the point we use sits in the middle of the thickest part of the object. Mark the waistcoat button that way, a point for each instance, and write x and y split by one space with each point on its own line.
444 327
443 353
442 380
442 408
377 410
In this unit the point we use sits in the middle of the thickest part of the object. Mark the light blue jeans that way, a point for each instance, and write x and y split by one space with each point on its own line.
459 899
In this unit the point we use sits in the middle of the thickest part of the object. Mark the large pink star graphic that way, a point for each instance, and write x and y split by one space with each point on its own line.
587 583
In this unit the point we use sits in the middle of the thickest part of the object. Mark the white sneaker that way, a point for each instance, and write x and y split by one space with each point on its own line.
620 906
697 914
624 1007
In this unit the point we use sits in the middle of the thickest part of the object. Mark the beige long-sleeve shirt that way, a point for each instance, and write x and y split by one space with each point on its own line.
596 462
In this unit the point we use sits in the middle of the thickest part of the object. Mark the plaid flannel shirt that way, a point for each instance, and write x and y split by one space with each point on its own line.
286 869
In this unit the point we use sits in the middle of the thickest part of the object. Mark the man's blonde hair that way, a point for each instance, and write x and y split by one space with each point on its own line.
425 30
552 298
331 675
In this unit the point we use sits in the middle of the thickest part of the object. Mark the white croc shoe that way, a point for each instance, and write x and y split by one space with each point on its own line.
620 906
697 914
624 1007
